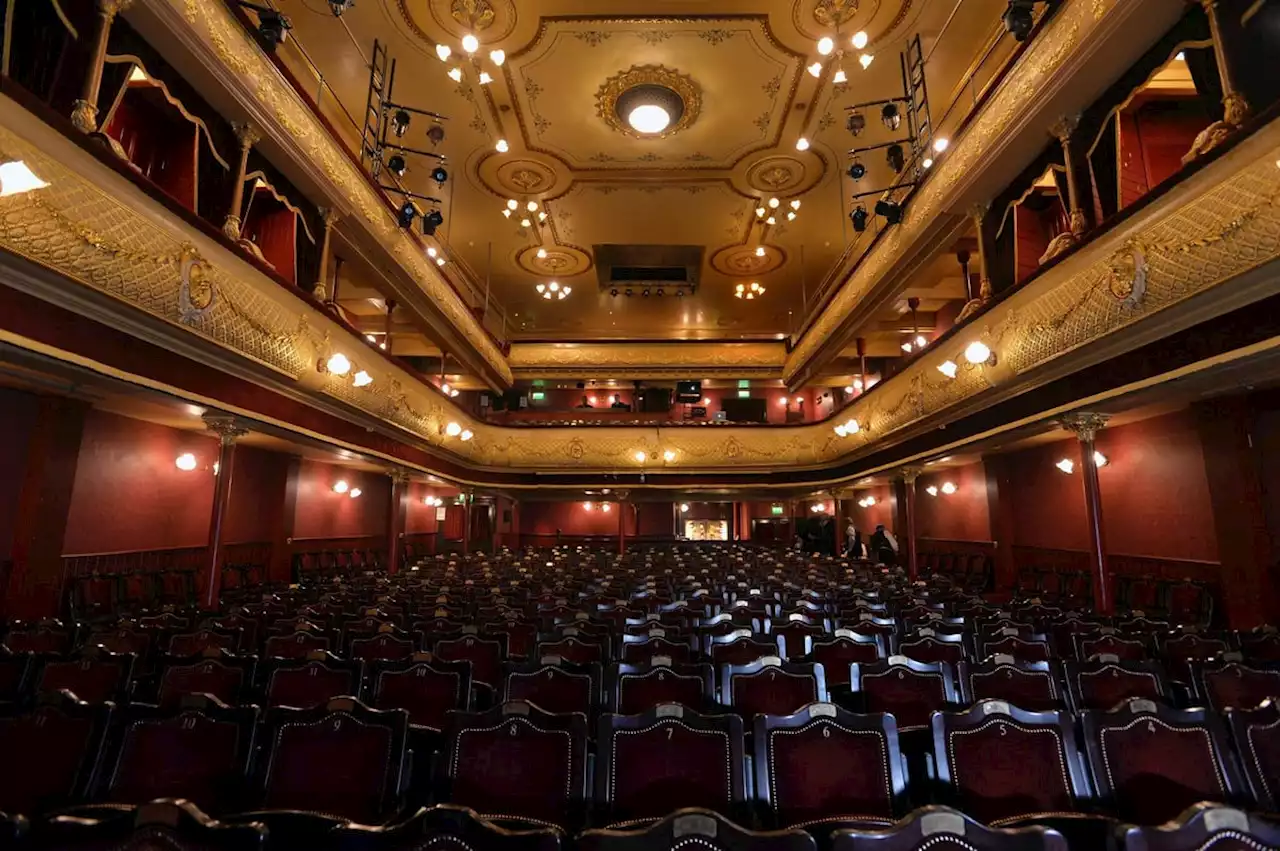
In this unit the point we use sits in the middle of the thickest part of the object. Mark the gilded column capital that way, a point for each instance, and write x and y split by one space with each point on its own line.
398 476
1084 425
978 212
329 217
111 8
909 474
247 134
84 116
228 429
1064 127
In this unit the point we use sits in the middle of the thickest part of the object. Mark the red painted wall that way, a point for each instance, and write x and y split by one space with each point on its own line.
1155 496
15 433
128 495
322 513
883 512
420 518
571 518
257 494
961 516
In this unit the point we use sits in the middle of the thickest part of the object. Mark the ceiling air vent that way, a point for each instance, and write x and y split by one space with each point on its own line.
648 271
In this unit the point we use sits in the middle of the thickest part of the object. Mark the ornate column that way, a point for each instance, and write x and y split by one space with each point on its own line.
248 136
327 217
962 257
622 521
1062 130
333 290
229 430
978 212
84 112
386 339
905 490
1235 109
1085 426
396 510
467 500
836 519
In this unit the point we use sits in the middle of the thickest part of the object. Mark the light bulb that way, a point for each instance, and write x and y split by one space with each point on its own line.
502 146
640 455
816 69
865 60
852 426
455 74
760 211
355 493
606 508
941 144
977 352
771 221
453 429
444 52
684 506
921 342
542 253
668 455
802 144
841 431
928 162
932 490
948 487
497 57
432 252
948 368
1099 460
362 379
485 79
341 486
1065 465
760 251
445 388
466 435
470 43
512 203
859 40
587 506
825 46
338 364
839 77
773 203
795 203
186 461
525 223
532 206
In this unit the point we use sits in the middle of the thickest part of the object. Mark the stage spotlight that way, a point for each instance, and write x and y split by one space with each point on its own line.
435 134
439 175
1018 18
856 123
857 171
891 116
613 291
896 158
859 219
891 210
645 292
397 166
407 214
273 29
400 122
340 6
431 221
629 292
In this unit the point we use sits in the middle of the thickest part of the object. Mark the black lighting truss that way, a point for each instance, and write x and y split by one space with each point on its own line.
378 110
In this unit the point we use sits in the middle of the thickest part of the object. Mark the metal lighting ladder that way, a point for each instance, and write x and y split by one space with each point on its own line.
374 110
913 84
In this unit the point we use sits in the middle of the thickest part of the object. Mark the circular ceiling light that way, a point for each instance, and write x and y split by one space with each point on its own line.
649 109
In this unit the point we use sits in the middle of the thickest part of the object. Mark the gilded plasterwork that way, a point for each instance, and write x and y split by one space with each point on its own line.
1017 95
693 359
649 75
212 21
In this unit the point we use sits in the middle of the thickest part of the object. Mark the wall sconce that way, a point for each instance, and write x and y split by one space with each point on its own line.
431 500
668 455
589 506
465 435
355 493
949 488
867 502
338 364
361 379
341 486
979 353
453 430
641 455
16 178
932 490
606 508
847 428
1066 465
1099 460
185 462
684 506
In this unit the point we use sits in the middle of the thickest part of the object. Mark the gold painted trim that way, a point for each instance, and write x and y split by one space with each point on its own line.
684 86
168 96
259 180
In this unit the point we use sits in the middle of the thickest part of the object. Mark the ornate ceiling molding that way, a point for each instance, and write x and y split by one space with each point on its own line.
1025 91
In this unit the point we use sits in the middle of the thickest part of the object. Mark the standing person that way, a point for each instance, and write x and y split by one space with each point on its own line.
853 542
883 546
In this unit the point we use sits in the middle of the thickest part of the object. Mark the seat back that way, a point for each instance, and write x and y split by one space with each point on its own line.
911 691
172 825
1001 762
1257 735
339 759
95 677
444 827
200 753
1226 685
930 647
770 686
50 752
738 648
944 829
384 646
297 645
838 653
1033 686
1024 648
554 686
694 829
1108 681
226 678
428 689
1151 762
194 643
516 761
1206 826
824 763
670 757
639 688
303 685
485 657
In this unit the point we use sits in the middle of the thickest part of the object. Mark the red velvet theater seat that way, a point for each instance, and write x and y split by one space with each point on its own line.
1257 738
445 827
694 829
771 687
1108 681
49 753
556 688
1032 686
909 690
943 829
640 688
427 690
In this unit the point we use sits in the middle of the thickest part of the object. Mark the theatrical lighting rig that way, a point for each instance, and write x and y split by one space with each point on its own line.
1019 18
273 27
340 6
386 121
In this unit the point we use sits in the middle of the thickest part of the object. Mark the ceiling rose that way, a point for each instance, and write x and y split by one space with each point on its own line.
649 101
